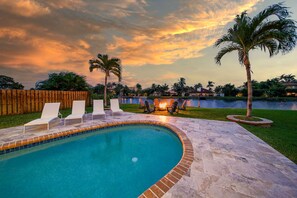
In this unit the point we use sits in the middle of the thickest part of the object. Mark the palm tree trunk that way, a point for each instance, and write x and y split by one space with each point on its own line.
249 86
105 90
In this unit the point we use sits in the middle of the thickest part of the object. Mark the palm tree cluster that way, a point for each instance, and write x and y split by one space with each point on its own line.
270 30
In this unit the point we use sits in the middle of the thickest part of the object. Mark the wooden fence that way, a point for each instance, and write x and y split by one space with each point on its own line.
27 101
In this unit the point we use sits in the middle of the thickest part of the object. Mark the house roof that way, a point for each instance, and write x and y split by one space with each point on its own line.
203 90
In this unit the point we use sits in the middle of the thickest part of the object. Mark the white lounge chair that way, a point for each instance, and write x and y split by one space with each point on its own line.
114 106
78 111
50 112
98 108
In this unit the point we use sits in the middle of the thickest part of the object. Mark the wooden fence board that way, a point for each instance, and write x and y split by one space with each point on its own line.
9 102
27 101
14 102
4 102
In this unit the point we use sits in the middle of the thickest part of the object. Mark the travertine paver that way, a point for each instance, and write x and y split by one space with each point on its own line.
228 162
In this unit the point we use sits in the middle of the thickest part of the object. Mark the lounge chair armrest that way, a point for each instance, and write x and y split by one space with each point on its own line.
60 115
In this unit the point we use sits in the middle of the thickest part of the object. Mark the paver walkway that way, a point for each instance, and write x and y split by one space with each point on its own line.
228 162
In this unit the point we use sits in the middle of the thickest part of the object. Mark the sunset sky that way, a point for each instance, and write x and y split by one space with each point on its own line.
158 41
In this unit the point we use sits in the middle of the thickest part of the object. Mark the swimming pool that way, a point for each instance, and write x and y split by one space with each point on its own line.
114 162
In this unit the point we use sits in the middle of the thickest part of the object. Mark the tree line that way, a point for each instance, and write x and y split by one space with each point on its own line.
70 81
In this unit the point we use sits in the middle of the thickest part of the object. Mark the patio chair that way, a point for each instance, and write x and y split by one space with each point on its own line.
156 102
114 106
78 111
98 108
141 104
173 108
49 114
171 101
147 108
183 105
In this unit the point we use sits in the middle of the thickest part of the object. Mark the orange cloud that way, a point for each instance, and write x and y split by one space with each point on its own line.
44 53
182 34
27 8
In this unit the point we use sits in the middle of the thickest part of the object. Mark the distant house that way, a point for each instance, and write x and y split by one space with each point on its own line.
219 94
291 88
157 94
171 93
133 88
203 92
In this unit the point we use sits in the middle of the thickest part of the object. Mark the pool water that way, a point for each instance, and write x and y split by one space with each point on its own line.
115 162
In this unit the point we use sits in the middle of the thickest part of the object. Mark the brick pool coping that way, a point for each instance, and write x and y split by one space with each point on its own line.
156 190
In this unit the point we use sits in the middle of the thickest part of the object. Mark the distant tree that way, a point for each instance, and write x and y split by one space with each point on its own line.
210 85
197 86
287 78
161 89
65 81
118 88
138 88
107 66
98 89
269 88
126 90
180 86
219 89
7 82
229 90
164 88
270 30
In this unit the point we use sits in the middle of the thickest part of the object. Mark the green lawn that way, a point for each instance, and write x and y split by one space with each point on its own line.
282 135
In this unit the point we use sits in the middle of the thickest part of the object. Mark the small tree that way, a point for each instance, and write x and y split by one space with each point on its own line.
7 82
138 88
210 85
180 86
65 81
197 86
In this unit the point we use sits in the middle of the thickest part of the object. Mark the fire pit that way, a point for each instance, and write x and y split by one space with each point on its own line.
162 106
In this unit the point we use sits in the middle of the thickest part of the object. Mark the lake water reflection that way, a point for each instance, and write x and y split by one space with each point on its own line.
290 105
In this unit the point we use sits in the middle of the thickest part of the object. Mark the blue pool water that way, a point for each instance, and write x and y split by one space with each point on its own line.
115 162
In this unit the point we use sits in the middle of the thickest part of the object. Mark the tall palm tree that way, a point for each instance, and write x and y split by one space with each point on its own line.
271 30
107 66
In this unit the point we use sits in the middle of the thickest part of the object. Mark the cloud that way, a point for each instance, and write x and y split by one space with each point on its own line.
27 8
60 35
180 35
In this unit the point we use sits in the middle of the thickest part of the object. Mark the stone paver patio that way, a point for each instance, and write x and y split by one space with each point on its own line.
228 162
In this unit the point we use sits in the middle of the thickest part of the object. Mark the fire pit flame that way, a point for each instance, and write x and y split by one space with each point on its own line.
163 105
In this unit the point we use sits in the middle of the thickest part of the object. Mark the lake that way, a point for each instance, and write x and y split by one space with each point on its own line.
258 104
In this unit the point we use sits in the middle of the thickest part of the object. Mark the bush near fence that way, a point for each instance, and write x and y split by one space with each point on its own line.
27 101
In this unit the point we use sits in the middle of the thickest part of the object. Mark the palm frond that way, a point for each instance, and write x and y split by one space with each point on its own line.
106 65
277 10
226 50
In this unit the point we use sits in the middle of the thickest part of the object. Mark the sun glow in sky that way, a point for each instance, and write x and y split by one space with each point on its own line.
157 41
